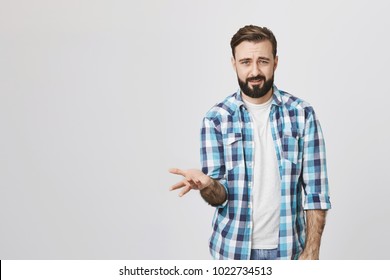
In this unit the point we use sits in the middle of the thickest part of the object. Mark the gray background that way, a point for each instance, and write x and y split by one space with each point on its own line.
99 98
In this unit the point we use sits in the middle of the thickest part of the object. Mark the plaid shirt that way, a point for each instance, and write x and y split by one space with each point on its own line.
227 149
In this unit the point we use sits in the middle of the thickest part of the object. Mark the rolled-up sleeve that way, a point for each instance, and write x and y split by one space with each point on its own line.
314 172
211 152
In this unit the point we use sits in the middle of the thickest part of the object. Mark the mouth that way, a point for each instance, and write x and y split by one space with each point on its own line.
256 82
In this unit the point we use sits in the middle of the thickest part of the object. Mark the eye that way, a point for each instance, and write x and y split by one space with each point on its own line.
245 62
263 62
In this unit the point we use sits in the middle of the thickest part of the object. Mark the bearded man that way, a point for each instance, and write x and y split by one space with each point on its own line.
263 163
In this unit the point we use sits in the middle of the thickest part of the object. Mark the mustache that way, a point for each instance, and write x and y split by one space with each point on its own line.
258 77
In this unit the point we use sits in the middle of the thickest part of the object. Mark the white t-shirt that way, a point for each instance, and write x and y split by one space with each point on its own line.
266 180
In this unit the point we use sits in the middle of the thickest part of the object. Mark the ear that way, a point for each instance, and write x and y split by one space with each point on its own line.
234 64
276 62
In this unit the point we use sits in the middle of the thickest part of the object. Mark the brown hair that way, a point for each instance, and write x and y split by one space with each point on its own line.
253 33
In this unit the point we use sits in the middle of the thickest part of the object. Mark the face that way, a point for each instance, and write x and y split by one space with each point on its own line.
255 65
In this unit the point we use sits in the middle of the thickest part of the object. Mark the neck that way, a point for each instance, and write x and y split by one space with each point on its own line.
259 100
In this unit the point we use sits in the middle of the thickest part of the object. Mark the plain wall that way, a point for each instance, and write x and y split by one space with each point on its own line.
99 98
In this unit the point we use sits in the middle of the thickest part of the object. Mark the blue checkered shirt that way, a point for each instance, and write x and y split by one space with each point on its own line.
227 149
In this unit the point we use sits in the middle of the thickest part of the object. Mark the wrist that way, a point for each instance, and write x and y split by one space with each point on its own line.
310 253
209 183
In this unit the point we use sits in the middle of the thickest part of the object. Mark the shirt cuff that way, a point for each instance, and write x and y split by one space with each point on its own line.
317 201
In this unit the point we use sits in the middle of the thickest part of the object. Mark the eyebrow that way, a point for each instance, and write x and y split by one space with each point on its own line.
249 59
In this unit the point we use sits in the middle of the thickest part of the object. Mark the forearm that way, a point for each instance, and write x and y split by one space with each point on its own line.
214 194
315 223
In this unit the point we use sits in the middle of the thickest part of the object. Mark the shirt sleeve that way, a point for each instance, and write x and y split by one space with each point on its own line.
211 153
315 177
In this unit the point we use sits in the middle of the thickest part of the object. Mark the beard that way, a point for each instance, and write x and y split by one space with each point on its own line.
256 91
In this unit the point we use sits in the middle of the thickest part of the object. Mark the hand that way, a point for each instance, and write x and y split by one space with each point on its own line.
194 179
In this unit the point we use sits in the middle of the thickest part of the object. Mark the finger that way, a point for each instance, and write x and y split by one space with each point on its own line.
193 179
178 185
176 171
190 180
185 190
195 183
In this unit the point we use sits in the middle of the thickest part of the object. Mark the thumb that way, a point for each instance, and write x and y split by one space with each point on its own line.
176 171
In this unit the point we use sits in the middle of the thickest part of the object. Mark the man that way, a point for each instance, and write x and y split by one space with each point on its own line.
263 163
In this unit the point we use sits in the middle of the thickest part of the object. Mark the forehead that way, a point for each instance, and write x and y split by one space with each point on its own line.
248 49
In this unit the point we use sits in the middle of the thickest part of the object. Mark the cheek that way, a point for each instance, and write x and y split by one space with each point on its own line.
268 72
242 73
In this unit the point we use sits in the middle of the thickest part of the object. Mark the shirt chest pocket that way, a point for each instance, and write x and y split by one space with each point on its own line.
233 150
290 148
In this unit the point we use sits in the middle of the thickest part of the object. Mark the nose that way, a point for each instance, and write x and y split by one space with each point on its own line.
255 70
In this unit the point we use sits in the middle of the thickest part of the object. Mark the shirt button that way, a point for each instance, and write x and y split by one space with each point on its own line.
250 184
250 205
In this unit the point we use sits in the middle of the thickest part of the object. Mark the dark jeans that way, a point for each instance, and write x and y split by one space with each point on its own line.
264 254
